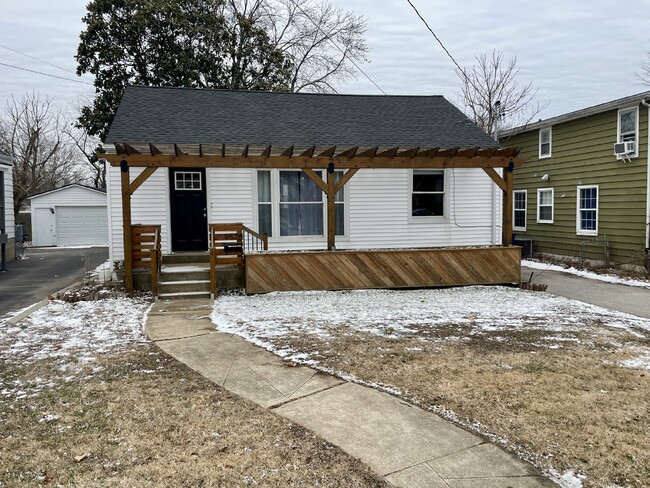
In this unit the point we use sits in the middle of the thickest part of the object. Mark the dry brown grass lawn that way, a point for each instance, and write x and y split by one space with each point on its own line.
140 418
570 408
543 376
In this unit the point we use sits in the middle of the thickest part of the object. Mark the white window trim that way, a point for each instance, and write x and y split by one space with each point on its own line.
540 190
184 173
550 143
580 231
445 203
618 130
275 210
525 209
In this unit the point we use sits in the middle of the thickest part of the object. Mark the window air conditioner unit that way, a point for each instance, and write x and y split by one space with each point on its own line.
624 148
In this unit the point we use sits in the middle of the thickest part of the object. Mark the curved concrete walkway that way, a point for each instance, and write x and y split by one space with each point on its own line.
406 445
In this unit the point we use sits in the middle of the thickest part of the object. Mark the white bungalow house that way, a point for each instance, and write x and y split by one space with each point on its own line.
425 179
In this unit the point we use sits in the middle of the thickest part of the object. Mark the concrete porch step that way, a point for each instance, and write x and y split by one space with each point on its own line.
186 257
184 286
188 272
186 294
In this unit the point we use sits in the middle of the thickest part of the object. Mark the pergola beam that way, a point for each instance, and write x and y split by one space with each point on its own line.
302 161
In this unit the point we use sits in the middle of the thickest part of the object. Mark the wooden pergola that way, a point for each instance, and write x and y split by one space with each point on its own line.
308 159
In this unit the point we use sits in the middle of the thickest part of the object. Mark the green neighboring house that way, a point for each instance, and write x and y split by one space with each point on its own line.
584 190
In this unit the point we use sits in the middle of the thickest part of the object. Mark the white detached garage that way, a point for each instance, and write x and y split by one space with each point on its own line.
73 215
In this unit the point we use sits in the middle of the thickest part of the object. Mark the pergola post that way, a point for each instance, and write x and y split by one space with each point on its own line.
507 207
125 182
331 210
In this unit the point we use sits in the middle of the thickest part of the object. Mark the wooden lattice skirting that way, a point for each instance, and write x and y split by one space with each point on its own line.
410 268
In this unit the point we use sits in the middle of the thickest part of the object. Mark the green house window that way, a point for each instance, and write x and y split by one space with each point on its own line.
545 143
545 206
519 209
587 216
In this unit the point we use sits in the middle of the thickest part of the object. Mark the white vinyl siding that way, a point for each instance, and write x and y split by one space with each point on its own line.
149 206
545 143
8 200
545 205
377 209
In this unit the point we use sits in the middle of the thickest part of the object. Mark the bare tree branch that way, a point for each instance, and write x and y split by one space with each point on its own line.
494 79
33 132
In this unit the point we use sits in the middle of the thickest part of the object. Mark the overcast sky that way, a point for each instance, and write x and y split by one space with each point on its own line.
577 53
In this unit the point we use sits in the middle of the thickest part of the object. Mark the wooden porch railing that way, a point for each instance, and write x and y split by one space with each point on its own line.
146 244
228 244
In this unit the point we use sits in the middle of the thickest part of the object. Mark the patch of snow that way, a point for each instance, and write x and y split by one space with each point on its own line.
568 479
50 417
641 362
71 334
586 274
472 310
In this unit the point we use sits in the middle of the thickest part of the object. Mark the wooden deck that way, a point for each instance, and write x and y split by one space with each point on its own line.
399 268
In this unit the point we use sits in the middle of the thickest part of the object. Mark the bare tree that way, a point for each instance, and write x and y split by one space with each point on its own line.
644 74
490 91
89 146
322 43
32 130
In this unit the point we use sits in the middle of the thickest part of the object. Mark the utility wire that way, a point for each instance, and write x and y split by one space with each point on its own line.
442 45
295 3
46 74
37 59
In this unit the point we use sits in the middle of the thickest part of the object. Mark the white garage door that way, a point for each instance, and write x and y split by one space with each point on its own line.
81 226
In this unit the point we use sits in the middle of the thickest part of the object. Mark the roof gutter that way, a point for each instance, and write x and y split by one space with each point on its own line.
645 103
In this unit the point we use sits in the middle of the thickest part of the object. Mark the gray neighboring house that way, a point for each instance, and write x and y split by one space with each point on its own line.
390 208
7 232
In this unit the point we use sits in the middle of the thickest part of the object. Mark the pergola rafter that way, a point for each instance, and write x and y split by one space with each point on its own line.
310 158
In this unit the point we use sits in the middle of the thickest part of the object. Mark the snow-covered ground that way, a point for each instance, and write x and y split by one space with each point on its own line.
71 334
264 319
609 278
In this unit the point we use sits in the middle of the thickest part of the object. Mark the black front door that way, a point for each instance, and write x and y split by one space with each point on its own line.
189 209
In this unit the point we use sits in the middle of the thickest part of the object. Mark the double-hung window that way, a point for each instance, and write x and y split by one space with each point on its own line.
545 206
628 127
519 209
264 204
301 205
587 211
545 136
428 193
290 204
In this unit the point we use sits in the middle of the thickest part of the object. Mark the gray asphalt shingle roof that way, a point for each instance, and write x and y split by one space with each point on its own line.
162 115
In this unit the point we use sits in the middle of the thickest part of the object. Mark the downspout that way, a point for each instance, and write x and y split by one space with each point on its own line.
646 104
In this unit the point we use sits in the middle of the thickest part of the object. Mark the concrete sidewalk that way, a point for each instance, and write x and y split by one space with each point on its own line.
406 445
623 298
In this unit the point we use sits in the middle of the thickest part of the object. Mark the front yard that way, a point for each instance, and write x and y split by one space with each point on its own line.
564 384
86 400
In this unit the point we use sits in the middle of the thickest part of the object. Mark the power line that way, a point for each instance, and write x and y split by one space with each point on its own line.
460 69
37 59
295 3
46 74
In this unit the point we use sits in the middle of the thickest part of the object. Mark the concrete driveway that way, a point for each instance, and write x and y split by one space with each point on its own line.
623 298
43 272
